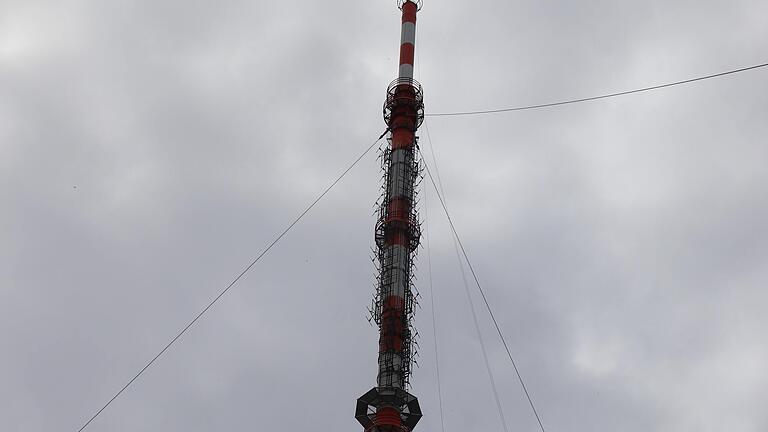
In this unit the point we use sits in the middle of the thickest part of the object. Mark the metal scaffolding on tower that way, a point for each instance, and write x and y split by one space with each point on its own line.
389 407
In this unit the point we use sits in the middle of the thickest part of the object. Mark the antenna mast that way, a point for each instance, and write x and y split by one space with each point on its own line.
389 407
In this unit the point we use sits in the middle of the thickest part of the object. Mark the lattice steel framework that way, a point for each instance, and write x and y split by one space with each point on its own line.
388 407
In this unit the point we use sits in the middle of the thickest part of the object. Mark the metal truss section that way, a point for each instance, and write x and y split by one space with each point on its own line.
397 238
398 216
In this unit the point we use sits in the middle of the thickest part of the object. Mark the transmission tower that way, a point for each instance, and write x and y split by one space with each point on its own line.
389 407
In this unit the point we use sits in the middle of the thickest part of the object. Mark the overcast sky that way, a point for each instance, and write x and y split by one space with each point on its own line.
150 149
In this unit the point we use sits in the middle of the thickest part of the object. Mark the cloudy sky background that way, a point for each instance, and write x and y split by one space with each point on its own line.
150 149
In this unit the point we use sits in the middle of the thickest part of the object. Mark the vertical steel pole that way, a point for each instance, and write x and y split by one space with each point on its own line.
389 407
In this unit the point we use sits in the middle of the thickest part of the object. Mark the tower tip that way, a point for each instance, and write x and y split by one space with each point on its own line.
401 3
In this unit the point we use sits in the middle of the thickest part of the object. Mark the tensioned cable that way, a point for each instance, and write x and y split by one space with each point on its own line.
231 284
482 342
479 334
485 299
434 313
431 289
604 96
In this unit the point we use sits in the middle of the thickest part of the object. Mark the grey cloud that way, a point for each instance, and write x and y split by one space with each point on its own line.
149 150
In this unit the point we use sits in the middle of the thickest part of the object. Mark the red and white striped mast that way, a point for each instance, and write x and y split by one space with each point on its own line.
389 407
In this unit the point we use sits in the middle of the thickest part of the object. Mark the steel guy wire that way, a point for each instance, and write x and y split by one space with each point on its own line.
470 303
592 98
434 313
482 293
234 281
431 290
